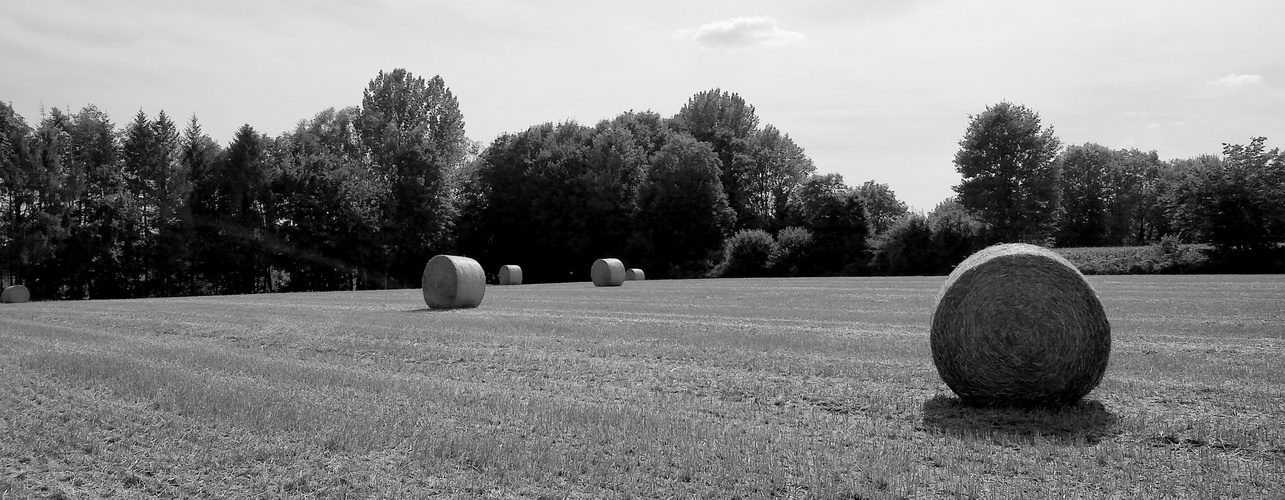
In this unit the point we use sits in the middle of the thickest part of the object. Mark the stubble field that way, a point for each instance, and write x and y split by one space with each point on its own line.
788 388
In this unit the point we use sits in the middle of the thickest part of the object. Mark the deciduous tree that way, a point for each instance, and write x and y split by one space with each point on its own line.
1086 170
729 124
883 209
1009 177
415 133
1237 203
682 214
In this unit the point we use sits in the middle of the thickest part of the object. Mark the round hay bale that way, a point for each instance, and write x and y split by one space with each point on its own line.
510 275
1018 325
15 294
607 272
452 282
634 274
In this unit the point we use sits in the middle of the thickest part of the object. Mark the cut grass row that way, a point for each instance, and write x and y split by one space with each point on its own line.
788 388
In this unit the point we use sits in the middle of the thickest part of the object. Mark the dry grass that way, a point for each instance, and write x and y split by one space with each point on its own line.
800 388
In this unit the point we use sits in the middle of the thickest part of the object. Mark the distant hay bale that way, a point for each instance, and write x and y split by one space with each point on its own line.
451 282
510 275
634 274
1017 324
15 294
607 272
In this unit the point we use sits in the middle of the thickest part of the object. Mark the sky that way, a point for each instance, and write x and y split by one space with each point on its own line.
871 89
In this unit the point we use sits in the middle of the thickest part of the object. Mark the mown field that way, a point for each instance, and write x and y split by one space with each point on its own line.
789 388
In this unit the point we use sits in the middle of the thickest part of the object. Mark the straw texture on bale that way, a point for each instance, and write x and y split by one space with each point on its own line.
1017 324
15 294
510 275
607 272
452 282
634 274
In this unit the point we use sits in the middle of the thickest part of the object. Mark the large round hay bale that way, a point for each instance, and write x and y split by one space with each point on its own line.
607 272
15 294
510 275
451 282
1017 324
634 274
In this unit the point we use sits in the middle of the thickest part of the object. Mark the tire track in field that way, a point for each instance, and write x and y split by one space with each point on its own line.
832 328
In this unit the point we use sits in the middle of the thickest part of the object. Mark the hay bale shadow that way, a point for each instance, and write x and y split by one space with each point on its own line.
1084 423
431 310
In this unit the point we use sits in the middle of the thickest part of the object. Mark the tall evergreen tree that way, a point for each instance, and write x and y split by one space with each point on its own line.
95 260
199 156
15 199
139 163
236 259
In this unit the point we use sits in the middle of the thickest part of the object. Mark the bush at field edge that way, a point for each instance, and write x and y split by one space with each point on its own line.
1162 258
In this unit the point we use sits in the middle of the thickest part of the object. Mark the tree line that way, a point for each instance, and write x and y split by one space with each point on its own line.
351 198
361 197
1019 184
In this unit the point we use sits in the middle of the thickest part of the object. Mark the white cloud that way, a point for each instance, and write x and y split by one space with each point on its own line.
1153 126
741 32
1235 80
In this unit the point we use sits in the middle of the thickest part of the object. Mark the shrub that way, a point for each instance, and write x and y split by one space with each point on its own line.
746 254
908 249
956 233
790 253
1168 257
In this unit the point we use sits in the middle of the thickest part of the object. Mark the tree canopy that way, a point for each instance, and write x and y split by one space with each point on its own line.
360 197
1010 179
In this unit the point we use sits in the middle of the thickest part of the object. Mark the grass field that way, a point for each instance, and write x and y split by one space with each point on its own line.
790 388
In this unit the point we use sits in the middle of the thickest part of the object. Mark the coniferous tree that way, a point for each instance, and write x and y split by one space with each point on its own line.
16 163
94 258
199 155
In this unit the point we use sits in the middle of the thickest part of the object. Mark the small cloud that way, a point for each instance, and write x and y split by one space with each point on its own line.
741 32
1153 126
1235 80
1179 124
